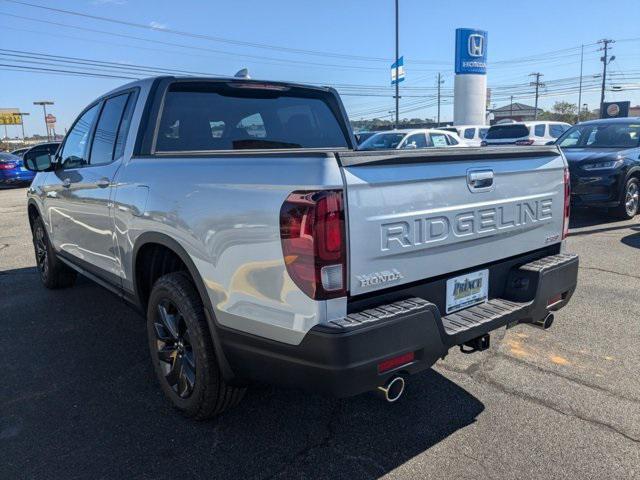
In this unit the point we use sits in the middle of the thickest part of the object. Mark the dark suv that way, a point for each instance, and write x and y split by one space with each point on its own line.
604 162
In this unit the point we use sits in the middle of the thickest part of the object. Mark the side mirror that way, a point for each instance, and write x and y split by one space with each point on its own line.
37 160
410 146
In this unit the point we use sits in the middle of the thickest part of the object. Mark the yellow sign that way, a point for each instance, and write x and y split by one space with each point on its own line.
10 117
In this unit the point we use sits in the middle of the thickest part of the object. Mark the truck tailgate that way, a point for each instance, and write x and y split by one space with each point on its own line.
417 215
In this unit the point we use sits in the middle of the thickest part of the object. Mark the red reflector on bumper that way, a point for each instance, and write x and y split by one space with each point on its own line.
553 300
396 362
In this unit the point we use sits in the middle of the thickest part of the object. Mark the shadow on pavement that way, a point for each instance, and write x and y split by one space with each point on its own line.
589 217
78 399
632 240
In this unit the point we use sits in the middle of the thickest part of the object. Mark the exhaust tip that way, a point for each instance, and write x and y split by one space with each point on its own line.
545 323
393 390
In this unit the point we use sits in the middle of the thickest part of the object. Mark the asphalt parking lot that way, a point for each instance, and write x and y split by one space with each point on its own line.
78 397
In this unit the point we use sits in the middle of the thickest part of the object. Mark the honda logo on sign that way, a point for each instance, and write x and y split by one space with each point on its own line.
476 45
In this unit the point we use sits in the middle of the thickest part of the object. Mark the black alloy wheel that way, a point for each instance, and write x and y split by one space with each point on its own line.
174 349
40 246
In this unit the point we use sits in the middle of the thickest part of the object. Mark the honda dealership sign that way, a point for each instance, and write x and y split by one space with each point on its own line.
470 87
471 51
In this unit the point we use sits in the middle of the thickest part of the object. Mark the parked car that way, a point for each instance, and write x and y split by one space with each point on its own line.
604 161
362 136
411 139
261 245
527 133
12 172
471 134
20 151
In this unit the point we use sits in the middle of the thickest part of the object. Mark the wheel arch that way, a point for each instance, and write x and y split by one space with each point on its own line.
151 239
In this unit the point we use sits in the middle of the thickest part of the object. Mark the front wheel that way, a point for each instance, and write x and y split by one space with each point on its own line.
630 204
182 350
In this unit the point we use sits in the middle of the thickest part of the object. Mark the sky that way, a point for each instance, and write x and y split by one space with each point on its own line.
346 44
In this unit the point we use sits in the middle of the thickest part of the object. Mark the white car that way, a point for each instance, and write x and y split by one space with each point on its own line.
411 139
525 133
472 135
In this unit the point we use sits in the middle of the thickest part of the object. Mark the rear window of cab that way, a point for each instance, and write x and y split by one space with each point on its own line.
213 116
499 132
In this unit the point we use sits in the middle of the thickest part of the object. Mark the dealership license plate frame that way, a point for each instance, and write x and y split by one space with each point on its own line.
475 297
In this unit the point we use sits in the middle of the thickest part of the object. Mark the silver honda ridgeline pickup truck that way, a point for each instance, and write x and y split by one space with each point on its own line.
262 245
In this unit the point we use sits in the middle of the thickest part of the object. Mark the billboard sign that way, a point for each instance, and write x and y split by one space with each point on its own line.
615 109
10 116
471 51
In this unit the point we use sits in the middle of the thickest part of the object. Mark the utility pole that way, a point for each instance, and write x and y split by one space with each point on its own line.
537 84
22 115
440 82
580 88
397 70
44 104
605 60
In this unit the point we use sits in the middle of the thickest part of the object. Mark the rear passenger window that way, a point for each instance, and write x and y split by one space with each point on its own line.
439 139
417 139
556 130
469 133
539 130
203 116
104 140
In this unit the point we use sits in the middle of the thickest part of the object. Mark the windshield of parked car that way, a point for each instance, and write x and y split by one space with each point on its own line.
601 135
204 116
500 132
382 141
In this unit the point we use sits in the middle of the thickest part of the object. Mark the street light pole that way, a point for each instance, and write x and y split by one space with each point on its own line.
44 104
440 82
397 79
22 115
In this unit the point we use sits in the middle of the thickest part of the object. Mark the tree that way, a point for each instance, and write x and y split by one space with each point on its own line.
561 112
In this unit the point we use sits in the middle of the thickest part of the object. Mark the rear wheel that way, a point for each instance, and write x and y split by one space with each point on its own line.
53 273
630 203
182 350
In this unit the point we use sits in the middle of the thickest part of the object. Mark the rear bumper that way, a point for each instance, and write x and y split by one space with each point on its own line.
342 358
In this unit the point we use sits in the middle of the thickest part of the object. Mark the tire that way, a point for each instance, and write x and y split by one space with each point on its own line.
53 273
182 350
630 203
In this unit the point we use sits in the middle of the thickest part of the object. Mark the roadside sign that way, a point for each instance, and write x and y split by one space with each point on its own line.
471 51
399 67
615 109
51 119
10 116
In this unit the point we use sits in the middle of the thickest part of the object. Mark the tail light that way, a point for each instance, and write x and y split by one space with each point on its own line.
528 141
567 203
313 242
7 166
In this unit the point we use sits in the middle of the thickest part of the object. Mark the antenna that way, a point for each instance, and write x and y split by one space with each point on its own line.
243 73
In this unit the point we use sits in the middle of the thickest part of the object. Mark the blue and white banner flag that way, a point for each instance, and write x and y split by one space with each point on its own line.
399 65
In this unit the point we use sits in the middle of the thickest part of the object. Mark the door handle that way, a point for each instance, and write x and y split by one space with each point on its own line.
480 180
103 183
66 183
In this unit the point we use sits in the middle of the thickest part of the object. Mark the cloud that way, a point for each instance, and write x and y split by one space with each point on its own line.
157 25
108 2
